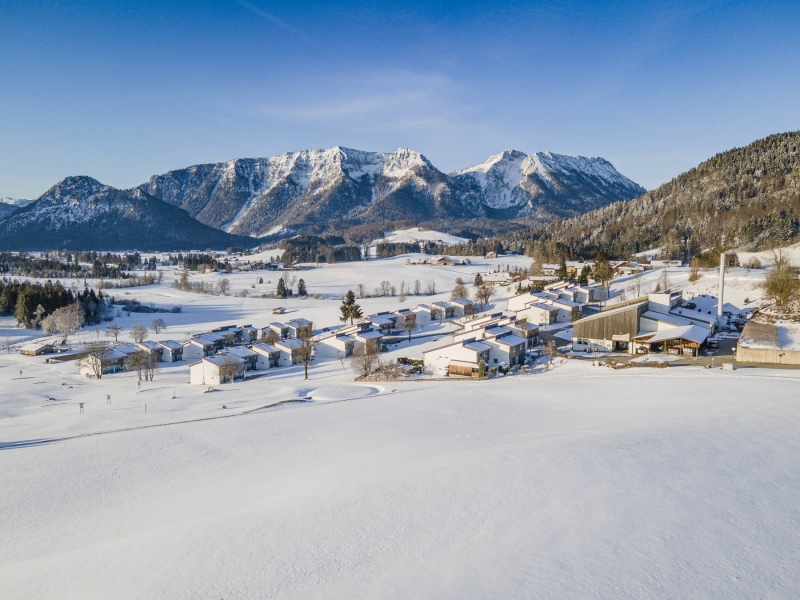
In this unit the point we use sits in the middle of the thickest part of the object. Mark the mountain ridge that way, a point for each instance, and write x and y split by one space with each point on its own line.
80 213
259 196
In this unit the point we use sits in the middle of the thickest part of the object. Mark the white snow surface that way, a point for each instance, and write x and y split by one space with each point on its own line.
415 234
682 486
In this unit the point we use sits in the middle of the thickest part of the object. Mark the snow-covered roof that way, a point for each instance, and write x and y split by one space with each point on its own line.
240 351
547 307
665 318
33 346
290 344
382 320
127 348
767 336
461 301
510 340
170 344
369 334
477 346
297 323
202 340
566 303
693 333
222 359
264 349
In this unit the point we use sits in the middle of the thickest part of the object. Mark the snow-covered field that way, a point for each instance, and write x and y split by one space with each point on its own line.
582 482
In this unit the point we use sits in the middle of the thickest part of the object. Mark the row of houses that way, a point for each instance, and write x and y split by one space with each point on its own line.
494 340
652 324
559 302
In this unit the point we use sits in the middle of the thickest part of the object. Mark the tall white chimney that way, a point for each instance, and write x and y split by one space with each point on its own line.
721 294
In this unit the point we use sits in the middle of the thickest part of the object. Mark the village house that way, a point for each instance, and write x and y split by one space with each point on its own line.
151 347
457 358
506 346
445 261
462 307
409 316
335 345
246 354
496 278
281 330
111 360
290 350
540 313
267 356
383 322
216 370
249 334
423 313
171 351
446 310
38 348
198 347
299 328
371 338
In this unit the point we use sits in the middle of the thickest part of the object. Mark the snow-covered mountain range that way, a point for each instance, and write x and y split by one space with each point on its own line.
330 189
260 196
80 213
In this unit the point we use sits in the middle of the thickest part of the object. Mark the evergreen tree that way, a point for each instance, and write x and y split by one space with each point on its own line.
350 308
602 269
562 269
478 280
301 289
281 293
583 278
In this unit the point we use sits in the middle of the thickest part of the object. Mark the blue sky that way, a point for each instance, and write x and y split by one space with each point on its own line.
124 90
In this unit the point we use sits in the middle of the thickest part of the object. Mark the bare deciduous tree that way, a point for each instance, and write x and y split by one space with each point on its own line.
417 287
139 333
135 362
306 350
483 294
781 285
364 359
157 325
460 290
223 285
230 369
96 353
430 289
113 330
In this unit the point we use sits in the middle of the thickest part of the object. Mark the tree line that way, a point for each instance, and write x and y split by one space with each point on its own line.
31 303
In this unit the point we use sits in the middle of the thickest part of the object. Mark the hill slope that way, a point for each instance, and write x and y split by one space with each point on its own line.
80 213
746 198
260 196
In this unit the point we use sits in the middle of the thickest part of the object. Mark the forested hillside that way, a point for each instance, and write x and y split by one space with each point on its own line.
744 198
